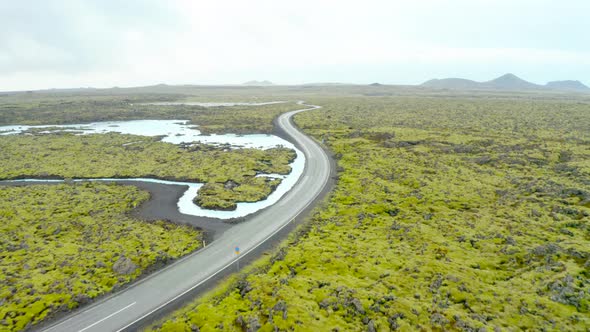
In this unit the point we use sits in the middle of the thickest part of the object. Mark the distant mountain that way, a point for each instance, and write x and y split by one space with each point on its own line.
568 85
452 83
511 82
258 83
508 82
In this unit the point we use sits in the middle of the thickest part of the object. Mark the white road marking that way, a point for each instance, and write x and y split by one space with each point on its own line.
107 317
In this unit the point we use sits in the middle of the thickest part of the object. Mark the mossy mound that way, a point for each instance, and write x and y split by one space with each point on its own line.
225 196
63 245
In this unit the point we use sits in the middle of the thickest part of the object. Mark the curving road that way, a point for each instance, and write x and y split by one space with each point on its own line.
129 308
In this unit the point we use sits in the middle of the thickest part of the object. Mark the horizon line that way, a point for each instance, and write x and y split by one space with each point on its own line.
272 84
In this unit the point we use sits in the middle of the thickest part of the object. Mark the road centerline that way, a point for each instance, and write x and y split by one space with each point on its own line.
107 317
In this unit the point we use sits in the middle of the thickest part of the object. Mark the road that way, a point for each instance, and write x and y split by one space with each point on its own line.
125 309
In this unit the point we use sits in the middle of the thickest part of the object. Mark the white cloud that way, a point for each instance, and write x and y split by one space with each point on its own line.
106 43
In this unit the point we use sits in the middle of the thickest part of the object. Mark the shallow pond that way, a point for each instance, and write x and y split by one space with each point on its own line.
179 131
173 131
215 104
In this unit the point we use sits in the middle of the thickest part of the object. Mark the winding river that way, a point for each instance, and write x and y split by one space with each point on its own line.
177 132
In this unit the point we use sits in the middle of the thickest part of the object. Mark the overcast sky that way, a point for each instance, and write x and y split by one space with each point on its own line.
105 43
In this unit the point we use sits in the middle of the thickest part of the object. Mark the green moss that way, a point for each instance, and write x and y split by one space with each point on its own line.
41 109
449 213
58 245
66 156
109 155
225 196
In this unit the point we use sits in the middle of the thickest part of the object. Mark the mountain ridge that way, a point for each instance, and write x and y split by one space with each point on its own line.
508 82
568 85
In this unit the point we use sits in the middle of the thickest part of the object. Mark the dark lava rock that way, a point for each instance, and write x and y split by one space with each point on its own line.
124 266
438 319
358 306
230 184
244 287
281 306
546 250
82 299
566 291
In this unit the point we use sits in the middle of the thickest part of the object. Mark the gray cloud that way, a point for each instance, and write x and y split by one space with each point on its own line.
65 43
74 36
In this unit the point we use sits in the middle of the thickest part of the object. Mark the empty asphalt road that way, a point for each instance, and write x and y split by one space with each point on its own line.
137 302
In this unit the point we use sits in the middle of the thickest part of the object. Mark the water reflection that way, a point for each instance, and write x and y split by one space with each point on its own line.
177 132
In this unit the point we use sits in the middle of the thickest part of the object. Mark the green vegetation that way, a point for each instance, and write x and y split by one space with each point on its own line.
451 212
454 213
113 155
63 245
73 109
124 156
40 109
225 196
240 119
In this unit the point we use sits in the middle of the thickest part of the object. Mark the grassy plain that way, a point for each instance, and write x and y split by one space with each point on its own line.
450 213
63 245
